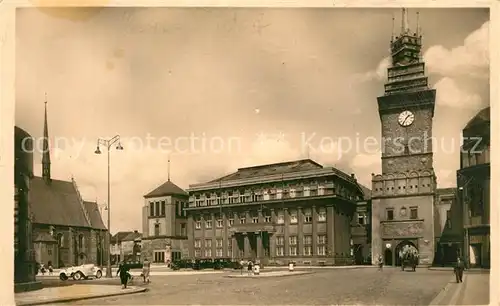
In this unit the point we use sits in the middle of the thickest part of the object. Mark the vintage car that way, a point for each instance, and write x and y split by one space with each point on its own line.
85 271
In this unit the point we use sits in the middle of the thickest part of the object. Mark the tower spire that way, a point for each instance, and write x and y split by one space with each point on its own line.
393 34
46 149
404 22
168 168
417 31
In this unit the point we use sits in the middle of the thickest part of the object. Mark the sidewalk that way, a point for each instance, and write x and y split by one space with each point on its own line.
71 293
474 290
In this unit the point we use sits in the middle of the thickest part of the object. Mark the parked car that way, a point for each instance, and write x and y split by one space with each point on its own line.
85 271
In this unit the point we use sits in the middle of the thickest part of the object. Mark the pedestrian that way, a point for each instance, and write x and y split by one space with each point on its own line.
250 267
146 266
123 271
380 262
51 269
459 270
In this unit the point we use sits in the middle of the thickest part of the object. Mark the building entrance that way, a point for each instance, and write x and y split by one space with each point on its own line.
399 248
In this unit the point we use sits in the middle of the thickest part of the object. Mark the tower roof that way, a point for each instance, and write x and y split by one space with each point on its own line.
166 189
46 148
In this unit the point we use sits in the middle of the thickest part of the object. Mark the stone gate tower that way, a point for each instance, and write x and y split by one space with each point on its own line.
403 195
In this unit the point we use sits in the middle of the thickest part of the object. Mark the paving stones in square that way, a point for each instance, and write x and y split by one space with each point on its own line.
323 287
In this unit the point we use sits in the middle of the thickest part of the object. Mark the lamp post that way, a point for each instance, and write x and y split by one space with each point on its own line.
108 143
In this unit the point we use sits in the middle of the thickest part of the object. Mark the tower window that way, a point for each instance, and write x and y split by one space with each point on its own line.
390 214
407 150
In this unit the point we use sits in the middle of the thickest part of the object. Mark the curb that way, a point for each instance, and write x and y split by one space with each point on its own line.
71 299
438 299
263 275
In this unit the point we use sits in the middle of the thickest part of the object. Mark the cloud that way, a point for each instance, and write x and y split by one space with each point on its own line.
364 165
449 94
471 58
380 73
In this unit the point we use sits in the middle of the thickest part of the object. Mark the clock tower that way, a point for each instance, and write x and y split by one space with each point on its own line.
403 194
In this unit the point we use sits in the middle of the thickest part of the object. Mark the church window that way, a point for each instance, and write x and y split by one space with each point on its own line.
157 208
80 241
151 209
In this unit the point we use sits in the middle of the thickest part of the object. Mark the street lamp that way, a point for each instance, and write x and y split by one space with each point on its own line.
108 143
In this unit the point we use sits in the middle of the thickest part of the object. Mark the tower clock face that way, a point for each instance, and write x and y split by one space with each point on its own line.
406 118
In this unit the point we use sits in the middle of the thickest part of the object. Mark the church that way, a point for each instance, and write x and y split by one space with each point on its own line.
67 230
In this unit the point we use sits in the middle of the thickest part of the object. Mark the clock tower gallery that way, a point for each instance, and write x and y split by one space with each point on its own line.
403 195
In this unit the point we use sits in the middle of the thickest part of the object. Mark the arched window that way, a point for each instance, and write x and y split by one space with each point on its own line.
80 241
60 240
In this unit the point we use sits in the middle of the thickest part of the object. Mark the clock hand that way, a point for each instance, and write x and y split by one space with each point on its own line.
404 121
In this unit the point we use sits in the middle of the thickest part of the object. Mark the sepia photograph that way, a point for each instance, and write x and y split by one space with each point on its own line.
258 156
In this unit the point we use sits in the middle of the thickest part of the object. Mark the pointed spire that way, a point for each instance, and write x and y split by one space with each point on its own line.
169 167
418 24
46 149
393 34
404 22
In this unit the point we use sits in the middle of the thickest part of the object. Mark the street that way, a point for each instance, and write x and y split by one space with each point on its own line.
324 286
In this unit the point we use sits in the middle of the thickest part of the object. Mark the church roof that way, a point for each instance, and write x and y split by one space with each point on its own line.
56 203
94 215
277 168
483 116
167 188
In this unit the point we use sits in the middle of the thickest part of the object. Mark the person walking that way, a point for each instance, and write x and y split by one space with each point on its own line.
123 271
380 263
459 270
146 267
250 267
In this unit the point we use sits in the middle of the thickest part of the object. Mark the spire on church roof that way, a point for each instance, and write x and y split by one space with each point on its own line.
46 148
168 170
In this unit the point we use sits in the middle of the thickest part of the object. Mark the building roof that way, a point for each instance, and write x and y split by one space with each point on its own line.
483 116
119 236
367 193
132 236
44 237
56 203
277 168
166 189
94 215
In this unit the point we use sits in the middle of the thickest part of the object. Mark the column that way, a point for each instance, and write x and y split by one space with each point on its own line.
202 238
214 235
190 234
246 244
259 245
234 247
285 230
272 237
300 232
314 231
330 230
225 236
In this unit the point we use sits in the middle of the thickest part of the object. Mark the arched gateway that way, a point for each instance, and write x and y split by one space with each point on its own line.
400 247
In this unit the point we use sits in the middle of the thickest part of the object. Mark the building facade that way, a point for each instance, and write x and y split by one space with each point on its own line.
473 181
448 227
403 194
165 230
125 246
24 255
66 229
293 211
361 229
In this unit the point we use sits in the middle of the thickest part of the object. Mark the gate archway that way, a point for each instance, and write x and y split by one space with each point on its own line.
399 247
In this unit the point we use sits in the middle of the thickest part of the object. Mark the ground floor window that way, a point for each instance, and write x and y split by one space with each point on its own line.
219 253
208 252
293 251
176 255
307 250
159 256
321 250
280 251
197 253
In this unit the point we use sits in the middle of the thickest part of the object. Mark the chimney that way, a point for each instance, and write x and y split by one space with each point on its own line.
353 176
135 232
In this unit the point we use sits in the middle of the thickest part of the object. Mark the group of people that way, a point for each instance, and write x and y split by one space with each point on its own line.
125 276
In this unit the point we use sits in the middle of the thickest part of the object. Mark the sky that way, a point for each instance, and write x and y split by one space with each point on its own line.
217 89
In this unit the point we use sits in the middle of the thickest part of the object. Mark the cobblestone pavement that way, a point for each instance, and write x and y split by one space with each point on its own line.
363 286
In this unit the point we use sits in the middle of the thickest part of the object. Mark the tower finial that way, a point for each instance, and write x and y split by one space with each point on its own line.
46 149
168 167
393 34
417 31
404 22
